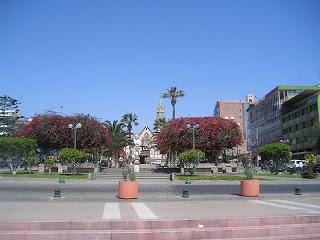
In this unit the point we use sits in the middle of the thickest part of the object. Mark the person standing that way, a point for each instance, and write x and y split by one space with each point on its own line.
301 166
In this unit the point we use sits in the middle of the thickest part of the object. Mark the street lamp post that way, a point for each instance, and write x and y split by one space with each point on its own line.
257 139
74 128
193 127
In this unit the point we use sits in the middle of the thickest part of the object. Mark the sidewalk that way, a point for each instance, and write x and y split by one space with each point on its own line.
30 199
184 209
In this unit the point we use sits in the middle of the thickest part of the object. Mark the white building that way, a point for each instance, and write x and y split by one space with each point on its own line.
145 141
144 144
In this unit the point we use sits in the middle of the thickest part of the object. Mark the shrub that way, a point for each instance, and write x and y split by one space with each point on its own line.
190 159
128 174
50 162
308 171
72 156
248 172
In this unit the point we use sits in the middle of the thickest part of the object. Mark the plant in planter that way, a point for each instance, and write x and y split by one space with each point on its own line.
128 187
249 187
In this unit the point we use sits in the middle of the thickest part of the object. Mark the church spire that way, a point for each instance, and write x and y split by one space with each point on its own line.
160 109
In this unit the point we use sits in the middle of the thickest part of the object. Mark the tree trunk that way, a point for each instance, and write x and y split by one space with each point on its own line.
13 171
173 111
130 149
74 167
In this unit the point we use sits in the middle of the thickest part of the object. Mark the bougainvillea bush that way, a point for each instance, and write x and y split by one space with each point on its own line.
211 137
52 132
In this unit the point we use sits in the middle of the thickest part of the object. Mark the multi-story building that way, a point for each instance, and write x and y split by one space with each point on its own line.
300 122
264 117
235 110
10 122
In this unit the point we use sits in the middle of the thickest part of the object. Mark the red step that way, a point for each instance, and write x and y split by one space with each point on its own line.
287 227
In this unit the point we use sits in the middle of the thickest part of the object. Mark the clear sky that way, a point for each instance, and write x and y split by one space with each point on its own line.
107 58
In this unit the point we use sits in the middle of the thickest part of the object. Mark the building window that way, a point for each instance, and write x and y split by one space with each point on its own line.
311 122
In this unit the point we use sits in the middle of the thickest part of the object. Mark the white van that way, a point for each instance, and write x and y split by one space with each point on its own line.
296 162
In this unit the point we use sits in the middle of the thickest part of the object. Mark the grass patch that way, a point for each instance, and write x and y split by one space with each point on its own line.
26 174
279 175
212 177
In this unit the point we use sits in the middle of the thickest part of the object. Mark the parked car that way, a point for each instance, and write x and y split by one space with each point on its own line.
296 162
158 162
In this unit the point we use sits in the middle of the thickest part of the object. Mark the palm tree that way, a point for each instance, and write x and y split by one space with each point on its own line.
128 120
173 93
119 137
159 124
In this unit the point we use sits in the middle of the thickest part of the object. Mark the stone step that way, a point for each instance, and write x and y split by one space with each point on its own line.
158 223
248 232
294 237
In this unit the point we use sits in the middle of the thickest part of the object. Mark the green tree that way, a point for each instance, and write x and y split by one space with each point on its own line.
15 151
10 119
50 162
311 163
190 159
278 153
72 157
173 93
130 119
119 138
31 159
159 124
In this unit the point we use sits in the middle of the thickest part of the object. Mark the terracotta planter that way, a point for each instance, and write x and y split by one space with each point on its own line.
128 189
250 188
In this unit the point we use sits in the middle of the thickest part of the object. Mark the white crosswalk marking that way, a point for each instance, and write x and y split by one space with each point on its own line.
143 211
285 206
111 211
296 203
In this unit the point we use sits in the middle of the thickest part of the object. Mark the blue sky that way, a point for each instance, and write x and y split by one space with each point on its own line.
107 58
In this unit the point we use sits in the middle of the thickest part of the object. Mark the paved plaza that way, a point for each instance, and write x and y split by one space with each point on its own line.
31 199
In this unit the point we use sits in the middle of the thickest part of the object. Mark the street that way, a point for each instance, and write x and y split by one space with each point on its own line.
41 190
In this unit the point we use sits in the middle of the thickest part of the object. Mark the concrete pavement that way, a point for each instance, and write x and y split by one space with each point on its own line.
158 198
184 209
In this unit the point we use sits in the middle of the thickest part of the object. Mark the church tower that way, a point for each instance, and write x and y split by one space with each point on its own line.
160 110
